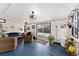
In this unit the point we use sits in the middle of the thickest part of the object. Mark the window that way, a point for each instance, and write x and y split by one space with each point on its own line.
75 24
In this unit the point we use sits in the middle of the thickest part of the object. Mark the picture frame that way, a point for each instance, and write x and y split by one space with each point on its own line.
63 26
33 26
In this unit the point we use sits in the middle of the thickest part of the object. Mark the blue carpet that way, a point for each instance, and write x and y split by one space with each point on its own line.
36 49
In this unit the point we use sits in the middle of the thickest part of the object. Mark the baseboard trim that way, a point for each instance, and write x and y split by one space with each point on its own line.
57 43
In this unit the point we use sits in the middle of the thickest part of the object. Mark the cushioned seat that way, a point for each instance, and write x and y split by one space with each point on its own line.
28 38
13 34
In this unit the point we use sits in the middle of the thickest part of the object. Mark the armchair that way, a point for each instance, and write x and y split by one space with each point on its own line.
28 38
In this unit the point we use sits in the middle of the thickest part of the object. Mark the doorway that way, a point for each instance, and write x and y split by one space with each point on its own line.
43 31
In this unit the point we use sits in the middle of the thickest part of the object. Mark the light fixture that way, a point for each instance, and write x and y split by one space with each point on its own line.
32 16
2 20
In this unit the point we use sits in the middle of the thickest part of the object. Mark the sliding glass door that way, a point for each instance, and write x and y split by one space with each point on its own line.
43 31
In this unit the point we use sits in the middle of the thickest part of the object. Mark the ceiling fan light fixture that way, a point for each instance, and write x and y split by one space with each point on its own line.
32 16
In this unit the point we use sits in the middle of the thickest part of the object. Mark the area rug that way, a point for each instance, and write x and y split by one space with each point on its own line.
41 41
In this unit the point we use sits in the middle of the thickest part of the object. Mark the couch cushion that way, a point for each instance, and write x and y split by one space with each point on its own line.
5 35
13 34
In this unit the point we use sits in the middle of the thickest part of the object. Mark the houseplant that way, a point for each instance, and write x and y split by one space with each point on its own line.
51 39
70 46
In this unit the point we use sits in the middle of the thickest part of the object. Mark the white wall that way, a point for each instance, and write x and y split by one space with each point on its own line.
13 27
61 32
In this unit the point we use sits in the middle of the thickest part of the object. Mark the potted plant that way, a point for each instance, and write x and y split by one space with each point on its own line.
51 39
70 46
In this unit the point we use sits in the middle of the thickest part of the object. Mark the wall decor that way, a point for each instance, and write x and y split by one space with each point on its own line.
33 26
28 28
63 26
69 24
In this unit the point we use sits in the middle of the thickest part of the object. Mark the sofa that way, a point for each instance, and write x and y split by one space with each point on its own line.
8 43
14 34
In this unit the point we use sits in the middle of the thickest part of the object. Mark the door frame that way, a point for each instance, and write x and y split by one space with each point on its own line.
42 23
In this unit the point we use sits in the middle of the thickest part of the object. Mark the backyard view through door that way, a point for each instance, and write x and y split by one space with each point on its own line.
43 31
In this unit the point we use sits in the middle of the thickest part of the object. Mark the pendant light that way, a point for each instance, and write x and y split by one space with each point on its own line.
32 16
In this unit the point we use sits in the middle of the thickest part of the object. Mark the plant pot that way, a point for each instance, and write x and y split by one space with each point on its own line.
50 39
50 42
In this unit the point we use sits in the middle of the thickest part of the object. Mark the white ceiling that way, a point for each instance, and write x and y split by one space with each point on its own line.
18 12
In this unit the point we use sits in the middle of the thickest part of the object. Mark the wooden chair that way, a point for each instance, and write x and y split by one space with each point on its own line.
28 38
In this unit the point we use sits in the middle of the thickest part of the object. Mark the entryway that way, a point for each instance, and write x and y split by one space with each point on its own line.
43 31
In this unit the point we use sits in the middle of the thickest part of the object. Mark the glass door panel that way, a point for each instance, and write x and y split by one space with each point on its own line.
43 31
